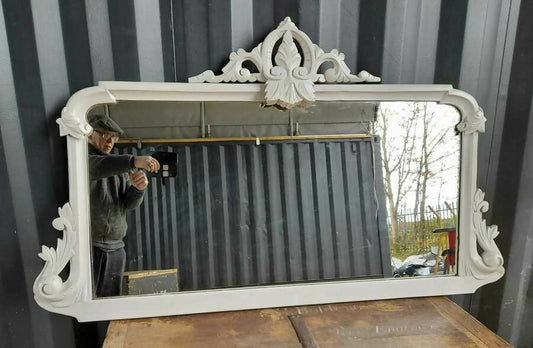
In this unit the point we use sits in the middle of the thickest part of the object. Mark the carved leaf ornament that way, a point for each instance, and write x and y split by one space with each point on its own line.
291 81
49 285
286 87
475 122
71 125
491 260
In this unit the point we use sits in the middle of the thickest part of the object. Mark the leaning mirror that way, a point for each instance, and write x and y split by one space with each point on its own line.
300 187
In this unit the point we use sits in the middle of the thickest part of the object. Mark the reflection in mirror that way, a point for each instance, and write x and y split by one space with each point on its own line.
247 195
420 157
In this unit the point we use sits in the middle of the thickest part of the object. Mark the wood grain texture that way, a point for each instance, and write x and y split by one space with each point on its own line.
420 322
258 328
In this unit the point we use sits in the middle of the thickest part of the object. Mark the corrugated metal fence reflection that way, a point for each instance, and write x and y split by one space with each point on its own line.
240 214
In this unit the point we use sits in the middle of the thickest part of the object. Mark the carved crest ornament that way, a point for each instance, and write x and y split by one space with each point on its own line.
290 83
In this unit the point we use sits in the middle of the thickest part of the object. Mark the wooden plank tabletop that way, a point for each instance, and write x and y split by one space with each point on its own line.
420 322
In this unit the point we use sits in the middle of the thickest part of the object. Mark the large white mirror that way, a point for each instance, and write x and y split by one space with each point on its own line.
282 192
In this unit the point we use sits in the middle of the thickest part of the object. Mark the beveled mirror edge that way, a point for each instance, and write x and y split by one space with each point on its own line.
74 297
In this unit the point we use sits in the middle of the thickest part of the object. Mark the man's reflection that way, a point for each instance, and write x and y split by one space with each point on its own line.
116 185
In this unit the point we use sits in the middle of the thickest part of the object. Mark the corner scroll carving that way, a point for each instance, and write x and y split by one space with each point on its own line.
491 260
71 125
49 287
475 122
291 81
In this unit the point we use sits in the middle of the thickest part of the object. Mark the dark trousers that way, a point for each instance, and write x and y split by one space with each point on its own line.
108 270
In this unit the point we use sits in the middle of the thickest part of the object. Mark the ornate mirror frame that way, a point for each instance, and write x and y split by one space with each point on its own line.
287 84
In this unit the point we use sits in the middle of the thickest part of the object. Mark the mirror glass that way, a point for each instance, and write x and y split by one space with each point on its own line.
247 195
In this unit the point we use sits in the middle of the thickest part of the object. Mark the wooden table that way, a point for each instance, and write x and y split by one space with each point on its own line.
422 322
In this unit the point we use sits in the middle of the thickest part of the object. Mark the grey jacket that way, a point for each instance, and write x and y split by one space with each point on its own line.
111 196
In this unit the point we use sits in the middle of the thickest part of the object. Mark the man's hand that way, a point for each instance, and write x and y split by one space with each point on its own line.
138 180
146 162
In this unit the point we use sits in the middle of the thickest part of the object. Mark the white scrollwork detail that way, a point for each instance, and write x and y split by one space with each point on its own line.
474 122
288 85
291 81
49 286
491 260
233 71
71 125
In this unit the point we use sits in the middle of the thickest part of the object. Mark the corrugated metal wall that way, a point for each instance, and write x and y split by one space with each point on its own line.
242 214
50 49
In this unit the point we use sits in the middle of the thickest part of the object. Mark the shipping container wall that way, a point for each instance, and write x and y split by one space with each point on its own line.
51 49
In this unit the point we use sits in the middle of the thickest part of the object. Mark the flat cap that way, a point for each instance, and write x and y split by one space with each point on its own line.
99 121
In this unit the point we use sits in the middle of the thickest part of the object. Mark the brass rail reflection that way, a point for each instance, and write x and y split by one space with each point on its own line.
251 139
